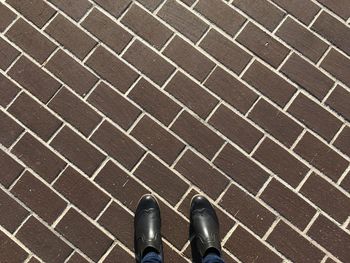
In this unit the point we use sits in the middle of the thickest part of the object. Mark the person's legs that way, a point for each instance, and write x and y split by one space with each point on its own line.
152 257
212 258
205 225
147 236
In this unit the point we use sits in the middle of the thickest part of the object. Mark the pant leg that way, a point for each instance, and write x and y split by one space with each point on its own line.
152 257
212 258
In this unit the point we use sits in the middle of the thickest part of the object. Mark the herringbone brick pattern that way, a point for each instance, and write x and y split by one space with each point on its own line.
245 101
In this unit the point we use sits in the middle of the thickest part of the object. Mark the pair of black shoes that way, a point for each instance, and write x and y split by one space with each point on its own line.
147 225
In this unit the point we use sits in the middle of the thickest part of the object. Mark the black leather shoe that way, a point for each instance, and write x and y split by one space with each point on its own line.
147 222
205 226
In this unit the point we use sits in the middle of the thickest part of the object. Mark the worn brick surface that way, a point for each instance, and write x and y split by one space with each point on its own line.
34 79
154 101
34 116
24 35
74 111
243 101
38 197
288 204
263 45
38 157
188 58
110 33
7 54
70 72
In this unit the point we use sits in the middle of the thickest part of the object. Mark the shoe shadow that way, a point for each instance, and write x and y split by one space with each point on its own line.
196 258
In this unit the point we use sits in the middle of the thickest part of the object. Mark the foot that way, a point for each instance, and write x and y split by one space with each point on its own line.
147 223
205 226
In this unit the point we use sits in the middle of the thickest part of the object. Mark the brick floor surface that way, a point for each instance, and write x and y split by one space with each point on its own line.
244 101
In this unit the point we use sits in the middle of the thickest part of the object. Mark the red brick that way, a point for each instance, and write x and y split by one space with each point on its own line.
30 40
338 65
117 73
247 210
12 214
7 55
301 39
315 117
119 222
83 234
305 12
6 17
333 30
182 20
81 192
77 150
71 72
114 106
196 134
157 139
118 253
154 101
32 234
116 144
160 178
262 11
38 197
148 62
288 204
37 11
120 185
34 116
249 249
235 128
105 29
321 156
38 157
340 7
262 44
331 237
282 163
307 76
10 130
10 251
8 90
113 7
241 169
191 94
327 197
10 169
151 5
225 51
226 223
188 58
293 245
269 83
202 174
146 26
343 141
70 36
34 79
221 14
231 89
75 111
75 9
275 122
338 100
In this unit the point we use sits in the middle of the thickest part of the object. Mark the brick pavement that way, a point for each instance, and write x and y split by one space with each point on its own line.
245 101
